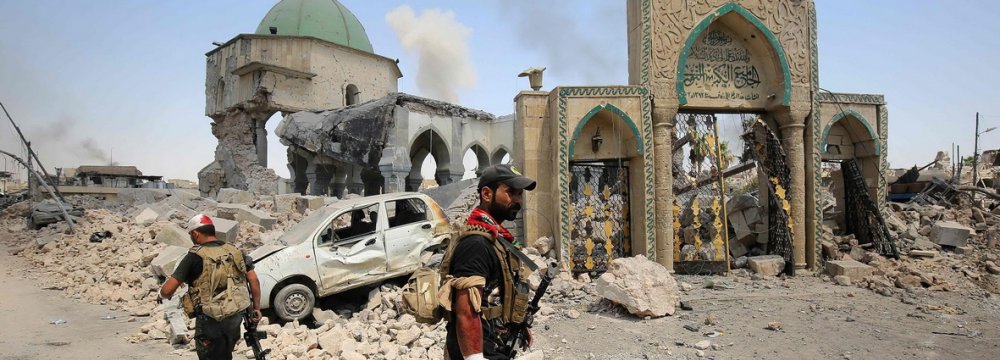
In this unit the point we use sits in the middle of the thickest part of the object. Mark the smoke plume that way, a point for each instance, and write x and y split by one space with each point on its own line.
589 48
55 137
440 43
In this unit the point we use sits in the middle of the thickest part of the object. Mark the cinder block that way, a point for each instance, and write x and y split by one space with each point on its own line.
311 202
950 233
767 265
850 268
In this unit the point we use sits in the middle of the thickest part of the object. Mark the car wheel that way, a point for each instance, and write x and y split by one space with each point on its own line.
294 302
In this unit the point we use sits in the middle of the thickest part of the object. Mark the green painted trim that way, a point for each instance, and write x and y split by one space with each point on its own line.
726 9
593 112
860 118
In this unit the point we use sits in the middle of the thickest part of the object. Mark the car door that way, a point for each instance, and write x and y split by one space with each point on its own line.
409 232
351 249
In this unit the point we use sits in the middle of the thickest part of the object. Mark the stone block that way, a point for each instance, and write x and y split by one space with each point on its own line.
310 202
164 264
285 203
923 253
235 196
171 234
963 250
752 216
176 320
146 217
950 233
226 230
850 268
643 287
767 265
44 240
737 248
237 212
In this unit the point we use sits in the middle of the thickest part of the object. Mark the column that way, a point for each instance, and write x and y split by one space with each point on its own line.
355 185
794 142
319 178
663 126
261 136
340 180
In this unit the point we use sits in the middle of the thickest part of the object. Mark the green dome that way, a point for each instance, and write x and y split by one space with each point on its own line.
323 19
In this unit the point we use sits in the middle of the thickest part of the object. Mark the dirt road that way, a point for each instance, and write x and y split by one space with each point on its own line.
26 312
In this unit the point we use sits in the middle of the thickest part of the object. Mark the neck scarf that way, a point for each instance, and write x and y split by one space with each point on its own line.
482 218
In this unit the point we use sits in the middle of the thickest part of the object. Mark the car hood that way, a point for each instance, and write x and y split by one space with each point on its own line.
266 250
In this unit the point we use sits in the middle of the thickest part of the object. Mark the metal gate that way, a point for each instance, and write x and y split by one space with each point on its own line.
599 215
700 226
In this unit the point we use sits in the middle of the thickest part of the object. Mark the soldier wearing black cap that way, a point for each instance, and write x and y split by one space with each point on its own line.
478 264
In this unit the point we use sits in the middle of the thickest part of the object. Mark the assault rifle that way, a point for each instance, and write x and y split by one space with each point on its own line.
251 335
516 334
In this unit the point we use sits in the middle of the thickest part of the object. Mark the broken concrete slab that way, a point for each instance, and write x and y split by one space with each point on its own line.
226 230
737 248
238 212
176 320
235 196
44 240
163 265
173 235
950 233
643 287
767 265
850 268
146 217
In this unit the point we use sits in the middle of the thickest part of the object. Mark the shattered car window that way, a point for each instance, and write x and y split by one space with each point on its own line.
351 224
406 211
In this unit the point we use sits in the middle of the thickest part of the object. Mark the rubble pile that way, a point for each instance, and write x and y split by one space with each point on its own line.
942 249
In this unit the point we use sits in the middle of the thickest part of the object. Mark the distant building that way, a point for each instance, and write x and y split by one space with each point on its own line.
112 176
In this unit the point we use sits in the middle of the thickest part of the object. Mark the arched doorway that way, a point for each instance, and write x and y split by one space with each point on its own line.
475 159
847 136
500 156
606 155
430 159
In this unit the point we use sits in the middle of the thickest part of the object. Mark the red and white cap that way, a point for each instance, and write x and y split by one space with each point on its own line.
198 221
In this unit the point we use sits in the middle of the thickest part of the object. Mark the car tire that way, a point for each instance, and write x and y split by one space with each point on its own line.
294 302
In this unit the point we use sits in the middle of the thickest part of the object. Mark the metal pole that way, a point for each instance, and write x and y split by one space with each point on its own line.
31 153
50 189
975 155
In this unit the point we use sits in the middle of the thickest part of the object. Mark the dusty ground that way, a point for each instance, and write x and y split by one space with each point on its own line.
27 310
819 321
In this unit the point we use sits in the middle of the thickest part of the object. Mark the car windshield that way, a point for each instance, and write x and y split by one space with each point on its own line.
298 233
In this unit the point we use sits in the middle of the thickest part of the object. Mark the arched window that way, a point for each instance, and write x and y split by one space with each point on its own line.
351 95
220 94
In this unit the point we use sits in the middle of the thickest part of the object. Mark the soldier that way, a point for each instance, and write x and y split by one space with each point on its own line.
217 275
486 277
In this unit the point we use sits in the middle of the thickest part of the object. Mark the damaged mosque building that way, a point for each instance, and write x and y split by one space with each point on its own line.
714 149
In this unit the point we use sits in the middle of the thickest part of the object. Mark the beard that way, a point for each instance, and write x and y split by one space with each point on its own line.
504 213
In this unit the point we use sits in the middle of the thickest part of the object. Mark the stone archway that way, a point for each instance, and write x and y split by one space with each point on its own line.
429 142
499 154
482 157
848 136
606 155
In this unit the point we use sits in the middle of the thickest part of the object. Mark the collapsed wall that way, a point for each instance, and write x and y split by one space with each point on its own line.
237 164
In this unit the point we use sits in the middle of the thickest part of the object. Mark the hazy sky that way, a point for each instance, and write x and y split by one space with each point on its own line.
88 78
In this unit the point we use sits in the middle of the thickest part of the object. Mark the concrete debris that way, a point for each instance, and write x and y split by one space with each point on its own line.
171 234
163 265
244 213
854 270
643 287
774 326
950 233
235 196
226 230
146 217
767 265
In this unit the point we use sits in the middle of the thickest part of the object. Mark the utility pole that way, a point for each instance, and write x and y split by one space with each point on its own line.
31 183
975 155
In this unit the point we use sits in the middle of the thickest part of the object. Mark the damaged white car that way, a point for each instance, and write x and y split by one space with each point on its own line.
346 245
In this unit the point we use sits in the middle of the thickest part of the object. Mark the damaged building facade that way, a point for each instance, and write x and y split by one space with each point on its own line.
347 128
723 113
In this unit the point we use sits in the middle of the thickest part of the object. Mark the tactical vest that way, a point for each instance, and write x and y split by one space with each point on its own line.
221 289
515 287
